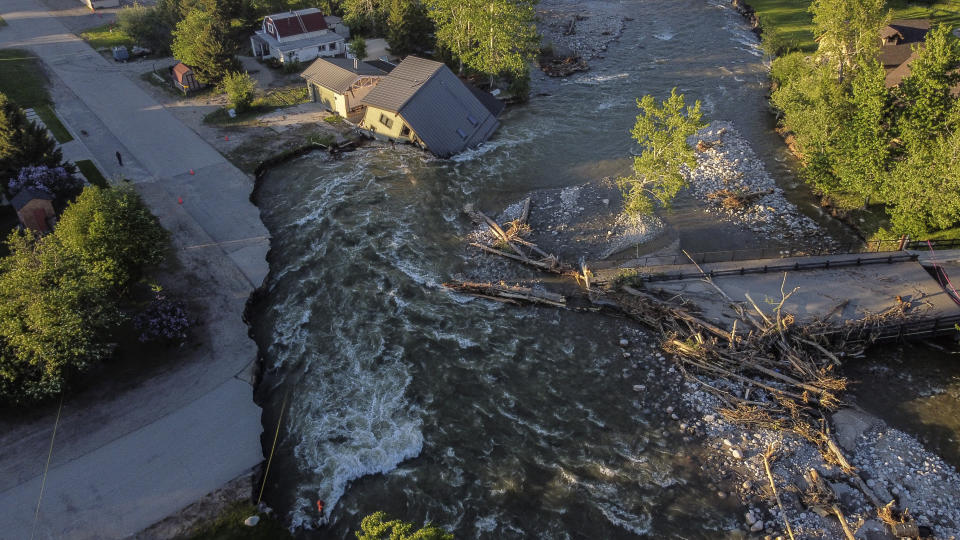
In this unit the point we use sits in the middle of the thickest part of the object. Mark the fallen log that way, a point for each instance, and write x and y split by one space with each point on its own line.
513 293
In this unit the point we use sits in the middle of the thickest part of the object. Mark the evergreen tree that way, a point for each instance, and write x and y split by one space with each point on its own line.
24 143
662 131
364 16
200 41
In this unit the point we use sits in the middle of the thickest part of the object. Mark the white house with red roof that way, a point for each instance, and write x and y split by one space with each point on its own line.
299 36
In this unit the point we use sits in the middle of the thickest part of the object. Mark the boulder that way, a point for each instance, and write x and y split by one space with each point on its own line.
850 425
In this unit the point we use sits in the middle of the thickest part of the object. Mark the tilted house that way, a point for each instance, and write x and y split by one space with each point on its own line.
297 36
423 102
340 83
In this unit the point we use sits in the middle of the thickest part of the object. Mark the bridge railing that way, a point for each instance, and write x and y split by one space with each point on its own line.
905 331
780 252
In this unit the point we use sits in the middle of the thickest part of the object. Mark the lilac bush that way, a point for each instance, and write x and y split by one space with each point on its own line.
164 321
53 180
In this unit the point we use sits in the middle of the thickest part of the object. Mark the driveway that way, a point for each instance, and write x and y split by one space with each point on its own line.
125 460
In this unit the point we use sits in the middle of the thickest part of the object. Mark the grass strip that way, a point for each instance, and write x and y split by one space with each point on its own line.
229 526
92 173
50 119
107 36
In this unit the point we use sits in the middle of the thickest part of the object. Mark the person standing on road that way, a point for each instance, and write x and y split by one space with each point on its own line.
119 158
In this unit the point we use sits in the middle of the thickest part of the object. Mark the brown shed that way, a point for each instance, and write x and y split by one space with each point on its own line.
184 79
35 209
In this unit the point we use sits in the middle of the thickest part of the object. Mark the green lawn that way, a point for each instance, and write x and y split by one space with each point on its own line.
229 526
2 22
92 173
275 99
23 81
107 36
793 20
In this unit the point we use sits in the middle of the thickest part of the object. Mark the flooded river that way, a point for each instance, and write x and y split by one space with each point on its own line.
494 421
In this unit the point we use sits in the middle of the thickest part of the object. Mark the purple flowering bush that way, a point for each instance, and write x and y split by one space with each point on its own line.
53 180
164 321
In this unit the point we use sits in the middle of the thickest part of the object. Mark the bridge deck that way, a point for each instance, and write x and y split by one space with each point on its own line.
868 283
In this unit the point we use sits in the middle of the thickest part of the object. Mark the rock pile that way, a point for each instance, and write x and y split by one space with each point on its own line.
733 182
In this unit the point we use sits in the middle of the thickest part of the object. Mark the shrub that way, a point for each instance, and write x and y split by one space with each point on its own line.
53 180
147 26
163 321
358 47
239 87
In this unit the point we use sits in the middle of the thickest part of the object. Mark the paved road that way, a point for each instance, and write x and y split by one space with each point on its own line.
123 462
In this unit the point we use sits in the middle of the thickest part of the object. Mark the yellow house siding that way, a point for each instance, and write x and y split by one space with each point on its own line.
372 121
334 101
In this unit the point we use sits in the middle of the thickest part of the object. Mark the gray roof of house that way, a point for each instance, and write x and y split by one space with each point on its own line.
403 82
26 195
338 74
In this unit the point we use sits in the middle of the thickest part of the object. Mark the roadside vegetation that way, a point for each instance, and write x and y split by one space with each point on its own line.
107 36
22 81
92 173
258 105
885 158
229 526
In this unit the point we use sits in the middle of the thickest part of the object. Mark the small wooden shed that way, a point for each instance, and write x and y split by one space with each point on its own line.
184 79
35 209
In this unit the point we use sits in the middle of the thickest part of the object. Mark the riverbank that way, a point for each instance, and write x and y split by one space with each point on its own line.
895 466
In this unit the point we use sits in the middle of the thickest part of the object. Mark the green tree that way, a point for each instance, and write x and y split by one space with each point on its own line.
375 527
409 30
507 39
662 131
200 41
364 15
358 47
240 90
24 143
862 149
455 28
147 25
923 193
55 318
847 30
924 95
112 234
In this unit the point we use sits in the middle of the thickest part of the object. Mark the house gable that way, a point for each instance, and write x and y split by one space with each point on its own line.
295 24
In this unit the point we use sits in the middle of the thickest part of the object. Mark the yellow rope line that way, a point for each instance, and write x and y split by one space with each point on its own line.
46 468
273 447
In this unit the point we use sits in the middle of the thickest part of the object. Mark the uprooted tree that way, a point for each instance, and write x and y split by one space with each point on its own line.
661 130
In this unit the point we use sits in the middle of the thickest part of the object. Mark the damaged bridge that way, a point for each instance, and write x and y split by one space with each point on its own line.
832 288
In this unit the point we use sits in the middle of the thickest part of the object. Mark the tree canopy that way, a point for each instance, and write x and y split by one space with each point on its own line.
200 41
376 527
847 30
661 131
60 293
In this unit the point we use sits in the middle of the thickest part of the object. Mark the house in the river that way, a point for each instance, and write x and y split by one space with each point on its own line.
423 102
299 36
340 83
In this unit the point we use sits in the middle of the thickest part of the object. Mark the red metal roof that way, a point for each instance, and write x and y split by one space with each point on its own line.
180 70
288 24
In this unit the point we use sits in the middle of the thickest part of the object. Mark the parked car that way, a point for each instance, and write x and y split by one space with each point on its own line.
120 53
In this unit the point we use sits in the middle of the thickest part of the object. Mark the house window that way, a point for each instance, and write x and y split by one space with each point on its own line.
472 119
405 131
386 121
271 29
461 133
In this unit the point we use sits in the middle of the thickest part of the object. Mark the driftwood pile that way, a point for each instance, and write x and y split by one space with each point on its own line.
769 370
562 66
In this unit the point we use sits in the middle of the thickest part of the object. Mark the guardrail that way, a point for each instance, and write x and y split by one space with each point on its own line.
789 267
905 331
779 252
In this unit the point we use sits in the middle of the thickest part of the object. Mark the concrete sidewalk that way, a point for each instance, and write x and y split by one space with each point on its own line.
122 462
